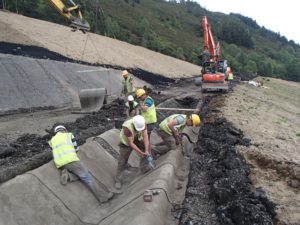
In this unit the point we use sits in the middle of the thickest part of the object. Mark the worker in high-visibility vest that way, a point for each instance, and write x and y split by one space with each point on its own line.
170 130
64 147
132 107
148 109
133 136
230 78
127 84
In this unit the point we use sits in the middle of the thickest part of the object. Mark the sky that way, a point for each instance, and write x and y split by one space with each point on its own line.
278 16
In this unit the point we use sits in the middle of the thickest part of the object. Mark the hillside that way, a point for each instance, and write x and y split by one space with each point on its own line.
90 47
175 29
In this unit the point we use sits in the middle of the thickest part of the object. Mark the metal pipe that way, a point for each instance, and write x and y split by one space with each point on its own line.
178 109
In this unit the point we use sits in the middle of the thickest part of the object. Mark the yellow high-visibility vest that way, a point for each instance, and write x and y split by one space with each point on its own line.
150 114
63 150
129 124
127 86
164 124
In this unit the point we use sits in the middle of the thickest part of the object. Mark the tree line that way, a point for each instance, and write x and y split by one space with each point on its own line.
174 28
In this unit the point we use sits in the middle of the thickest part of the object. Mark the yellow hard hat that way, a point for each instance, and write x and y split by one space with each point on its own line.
140 92
124 73
195 119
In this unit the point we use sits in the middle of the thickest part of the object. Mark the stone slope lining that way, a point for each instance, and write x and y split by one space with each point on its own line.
37 197
27 83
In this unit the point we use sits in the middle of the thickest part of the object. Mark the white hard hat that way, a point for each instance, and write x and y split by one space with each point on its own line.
139 123
130 98
59 128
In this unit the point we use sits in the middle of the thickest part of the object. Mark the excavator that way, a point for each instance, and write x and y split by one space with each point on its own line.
91 100
213 74
72 14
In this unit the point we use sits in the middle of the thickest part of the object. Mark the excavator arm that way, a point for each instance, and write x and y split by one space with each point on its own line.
209 45
213 69
72 14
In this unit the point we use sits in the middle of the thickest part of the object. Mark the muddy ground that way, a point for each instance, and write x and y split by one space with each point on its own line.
29 151
219 189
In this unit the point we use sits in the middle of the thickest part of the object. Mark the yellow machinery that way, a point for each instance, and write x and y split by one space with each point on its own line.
91 100
72 14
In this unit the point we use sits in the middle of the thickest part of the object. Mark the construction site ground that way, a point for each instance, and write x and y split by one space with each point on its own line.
244 168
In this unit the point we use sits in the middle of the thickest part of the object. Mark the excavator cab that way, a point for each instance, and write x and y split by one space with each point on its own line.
214 67
72 14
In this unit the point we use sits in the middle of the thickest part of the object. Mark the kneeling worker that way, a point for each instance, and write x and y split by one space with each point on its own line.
133 136
132 107
170 129
64 148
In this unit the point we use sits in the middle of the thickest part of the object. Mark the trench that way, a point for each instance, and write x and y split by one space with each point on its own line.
219 189
29 151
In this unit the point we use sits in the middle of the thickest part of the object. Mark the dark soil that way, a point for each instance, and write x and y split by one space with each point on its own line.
219 179
43 53
30 151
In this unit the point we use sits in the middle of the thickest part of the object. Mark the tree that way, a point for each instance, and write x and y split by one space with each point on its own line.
235 33
293 70
250 67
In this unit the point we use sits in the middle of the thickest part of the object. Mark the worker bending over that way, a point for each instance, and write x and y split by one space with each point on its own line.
64 148
133 136
127 84
148 109
132 107
170 131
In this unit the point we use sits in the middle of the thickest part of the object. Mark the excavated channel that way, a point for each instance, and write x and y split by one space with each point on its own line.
29 151
219 188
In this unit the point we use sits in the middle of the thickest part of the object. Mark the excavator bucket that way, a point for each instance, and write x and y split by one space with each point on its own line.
79 24
92 100
72 14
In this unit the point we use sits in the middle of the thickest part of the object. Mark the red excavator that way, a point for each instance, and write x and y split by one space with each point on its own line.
213 69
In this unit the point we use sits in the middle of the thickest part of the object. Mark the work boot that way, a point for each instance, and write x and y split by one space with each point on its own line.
109 196
72 177
64 177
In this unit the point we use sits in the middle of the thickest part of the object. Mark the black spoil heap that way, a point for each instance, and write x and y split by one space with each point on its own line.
228 174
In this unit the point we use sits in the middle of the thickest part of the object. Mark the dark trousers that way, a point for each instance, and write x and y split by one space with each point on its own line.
78 169
125 152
